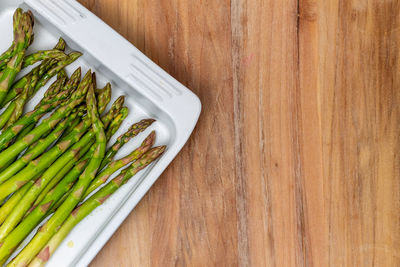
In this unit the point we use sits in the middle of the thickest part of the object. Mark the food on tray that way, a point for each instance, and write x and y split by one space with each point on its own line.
54 161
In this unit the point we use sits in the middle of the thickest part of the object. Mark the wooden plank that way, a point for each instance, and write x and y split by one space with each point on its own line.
266 74
360 130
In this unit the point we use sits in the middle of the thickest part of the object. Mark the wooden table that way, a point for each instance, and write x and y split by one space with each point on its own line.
295 160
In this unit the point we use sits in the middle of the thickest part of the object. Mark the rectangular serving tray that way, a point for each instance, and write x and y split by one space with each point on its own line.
149 92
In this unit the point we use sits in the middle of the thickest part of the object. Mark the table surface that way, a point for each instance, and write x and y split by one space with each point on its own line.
294 161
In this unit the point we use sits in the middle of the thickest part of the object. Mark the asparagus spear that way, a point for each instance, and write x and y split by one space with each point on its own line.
5 57
60 65
52 199
25 175
115 165
114 110
34 75
93 202
29 118
42 55
55 87
8 75
57 195
39 212
39 165
103 96
62 74
107 120
36 150
134 130
19 103
7 113
11 51
19 137
50 98
76 98
73 80
64 185
51 226
19 179
61 44
7 54
115 124
19 86
48 190
110 131
13 201
59 202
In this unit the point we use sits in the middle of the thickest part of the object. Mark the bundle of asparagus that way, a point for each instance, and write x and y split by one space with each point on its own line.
48 167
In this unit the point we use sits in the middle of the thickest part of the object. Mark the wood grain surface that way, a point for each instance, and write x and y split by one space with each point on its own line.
295 160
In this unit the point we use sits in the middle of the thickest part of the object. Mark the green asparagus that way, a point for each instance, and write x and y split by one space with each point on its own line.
134 130
24 31
52 225
89 205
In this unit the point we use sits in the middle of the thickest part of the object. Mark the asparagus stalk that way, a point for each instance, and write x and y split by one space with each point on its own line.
32 78
52 200
39 164
73 80
103 96
5 57
13 201
11 51
93 202
60 176
42 55
25 131
7 54
61 44
19 137
57 168
59 202
134 130
61 188
117 164
7 113
23 206
114 110
31 117
13 67
39 211
60 65
76 98
50 98
36 150
110 131
52 225
34 75
64 185
6 209
62 74
55 87
35 166
19 103
115 124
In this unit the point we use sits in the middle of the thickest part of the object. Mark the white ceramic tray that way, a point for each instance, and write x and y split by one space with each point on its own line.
149 91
